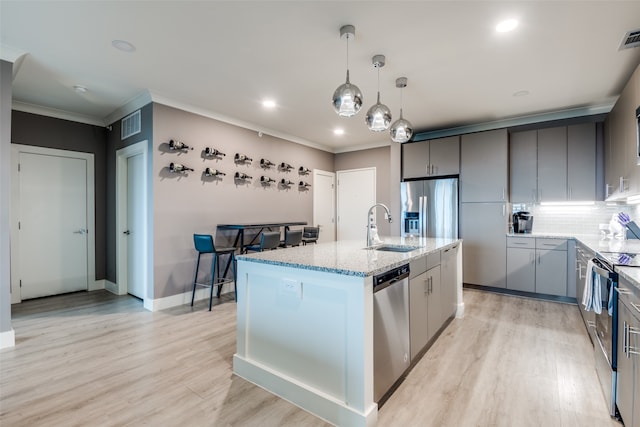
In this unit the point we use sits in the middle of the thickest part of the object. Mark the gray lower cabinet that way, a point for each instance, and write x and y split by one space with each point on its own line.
628 384
537 265
418 309
449 281
551 267
483 228
425 301
521 264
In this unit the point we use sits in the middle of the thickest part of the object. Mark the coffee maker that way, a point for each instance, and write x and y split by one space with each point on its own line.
522 222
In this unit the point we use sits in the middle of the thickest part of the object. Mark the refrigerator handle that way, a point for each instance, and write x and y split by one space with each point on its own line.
423 215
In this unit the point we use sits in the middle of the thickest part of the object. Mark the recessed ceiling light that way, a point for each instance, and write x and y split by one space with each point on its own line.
80 89
506 26
268 103
123 45
521 93
338 131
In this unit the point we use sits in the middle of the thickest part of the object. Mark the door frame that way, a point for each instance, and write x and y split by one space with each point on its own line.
317 201
16 149
122 155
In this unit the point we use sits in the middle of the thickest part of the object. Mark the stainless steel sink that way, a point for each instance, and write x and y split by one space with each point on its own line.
396 248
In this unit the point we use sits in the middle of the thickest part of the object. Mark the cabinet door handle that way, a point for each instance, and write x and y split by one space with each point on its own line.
636 306
504 210
632 349
622 291
570 193
504 190
426 286
625 339
539 259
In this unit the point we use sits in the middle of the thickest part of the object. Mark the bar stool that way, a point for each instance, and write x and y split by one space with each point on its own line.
291 238
310 235
268 240
204 245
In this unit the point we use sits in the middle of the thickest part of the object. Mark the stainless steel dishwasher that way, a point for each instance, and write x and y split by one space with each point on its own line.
390 329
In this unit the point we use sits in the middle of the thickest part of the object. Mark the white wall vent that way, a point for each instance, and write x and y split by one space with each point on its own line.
631 39
130 125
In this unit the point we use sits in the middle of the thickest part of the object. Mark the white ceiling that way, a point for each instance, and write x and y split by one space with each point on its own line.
224 58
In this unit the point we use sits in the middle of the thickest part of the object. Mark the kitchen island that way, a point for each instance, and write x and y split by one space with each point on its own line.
305 322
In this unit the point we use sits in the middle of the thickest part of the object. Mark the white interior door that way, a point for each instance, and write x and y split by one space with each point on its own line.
324 205
53 225
132 247
135 226
356 194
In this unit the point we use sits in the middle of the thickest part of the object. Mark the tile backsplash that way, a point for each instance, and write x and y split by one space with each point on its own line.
584 219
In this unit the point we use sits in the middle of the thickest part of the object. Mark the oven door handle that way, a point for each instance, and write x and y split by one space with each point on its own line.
601 271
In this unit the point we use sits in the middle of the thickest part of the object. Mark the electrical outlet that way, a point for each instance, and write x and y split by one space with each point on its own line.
291 287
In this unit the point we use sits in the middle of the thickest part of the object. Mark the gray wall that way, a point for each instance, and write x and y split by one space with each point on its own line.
184 205
49 132
380 158
6 77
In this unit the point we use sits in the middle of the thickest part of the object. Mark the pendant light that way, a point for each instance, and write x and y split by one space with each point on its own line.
347 98
401 130
379 116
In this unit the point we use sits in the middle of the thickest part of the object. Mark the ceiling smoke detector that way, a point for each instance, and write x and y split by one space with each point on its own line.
631 39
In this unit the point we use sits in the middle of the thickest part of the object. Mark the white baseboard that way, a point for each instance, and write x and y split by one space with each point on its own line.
183 298
96 285
7 339
460 311
111 287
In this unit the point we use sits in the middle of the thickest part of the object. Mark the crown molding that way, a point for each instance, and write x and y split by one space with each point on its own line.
517 121
55 113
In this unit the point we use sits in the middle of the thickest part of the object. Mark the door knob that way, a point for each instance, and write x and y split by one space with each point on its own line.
126 232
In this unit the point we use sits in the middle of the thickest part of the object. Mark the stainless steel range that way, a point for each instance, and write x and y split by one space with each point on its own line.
605 305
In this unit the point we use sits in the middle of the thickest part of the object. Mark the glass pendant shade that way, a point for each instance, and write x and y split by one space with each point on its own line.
401 130
378 117
347 99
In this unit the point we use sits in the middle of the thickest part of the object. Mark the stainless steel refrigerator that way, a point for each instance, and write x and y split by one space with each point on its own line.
430 208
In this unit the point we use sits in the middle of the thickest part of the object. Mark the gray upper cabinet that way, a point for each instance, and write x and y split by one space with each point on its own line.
415 160
445 156
436 157
523 158
484 166
581 161
552 164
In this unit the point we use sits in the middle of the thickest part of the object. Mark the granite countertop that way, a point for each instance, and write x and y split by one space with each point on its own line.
349 257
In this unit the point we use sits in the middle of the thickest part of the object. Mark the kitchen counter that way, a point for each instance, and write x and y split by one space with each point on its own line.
349 257
305 320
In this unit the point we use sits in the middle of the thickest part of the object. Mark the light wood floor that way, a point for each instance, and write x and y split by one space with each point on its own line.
95 359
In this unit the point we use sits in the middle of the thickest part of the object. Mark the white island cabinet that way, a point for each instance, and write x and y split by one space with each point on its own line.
305 324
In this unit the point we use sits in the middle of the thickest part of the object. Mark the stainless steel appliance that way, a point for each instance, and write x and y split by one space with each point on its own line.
430 208
605 334
522 222
390 329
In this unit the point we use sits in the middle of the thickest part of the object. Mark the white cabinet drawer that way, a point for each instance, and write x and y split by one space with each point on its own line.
417 266
521 242
553 244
